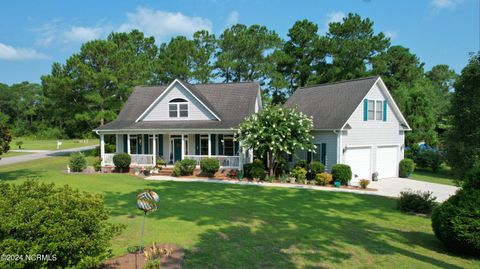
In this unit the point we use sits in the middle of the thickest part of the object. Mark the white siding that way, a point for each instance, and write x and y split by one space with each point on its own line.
330 139
196 111
373 133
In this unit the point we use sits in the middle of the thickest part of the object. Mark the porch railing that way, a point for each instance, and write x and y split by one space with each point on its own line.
137 159
225 161
147 159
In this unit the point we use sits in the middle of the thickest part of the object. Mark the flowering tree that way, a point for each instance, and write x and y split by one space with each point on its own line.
274 130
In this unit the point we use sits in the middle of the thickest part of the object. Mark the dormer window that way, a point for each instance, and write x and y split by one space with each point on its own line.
178 108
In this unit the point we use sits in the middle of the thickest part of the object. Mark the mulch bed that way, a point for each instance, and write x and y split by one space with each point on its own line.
127 261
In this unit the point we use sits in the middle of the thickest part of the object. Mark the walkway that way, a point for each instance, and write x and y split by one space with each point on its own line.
386 187
41 155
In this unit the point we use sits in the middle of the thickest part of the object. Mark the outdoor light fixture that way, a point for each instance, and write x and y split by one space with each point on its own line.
344 149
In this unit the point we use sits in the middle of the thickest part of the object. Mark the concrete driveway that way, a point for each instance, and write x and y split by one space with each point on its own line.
393 186
40 155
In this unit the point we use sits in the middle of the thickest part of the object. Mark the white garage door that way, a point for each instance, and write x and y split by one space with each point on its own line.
359 161
387 161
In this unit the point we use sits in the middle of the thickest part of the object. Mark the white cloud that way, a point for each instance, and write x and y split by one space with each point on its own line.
11 53
445 4
83 34
391 34
161 24
336 16
233 18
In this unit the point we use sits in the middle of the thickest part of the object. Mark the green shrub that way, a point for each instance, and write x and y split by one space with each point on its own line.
456 222
364 183
301 164
160 163
412 151
282 167
342 173
247 168
300 174
19 144
58 221
416 202
122 161
97 164
472 179
432 159
316 167
258 172
324 179
77 162
184 167
406 168
209 166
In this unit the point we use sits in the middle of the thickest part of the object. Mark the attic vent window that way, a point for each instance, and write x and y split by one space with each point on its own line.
178 108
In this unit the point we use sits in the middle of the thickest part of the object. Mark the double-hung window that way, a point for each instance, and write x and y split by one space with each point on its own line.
178 108
375 110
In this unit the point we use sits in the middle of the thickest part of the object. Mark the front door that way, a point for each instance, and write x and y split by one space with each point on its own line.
177 149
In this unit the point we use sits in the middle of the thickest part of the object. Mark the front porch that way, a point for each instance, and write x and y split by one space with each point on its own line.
145 149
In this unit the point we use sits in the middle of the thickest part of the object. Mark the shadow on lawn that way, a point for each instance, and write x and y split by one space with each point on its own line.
21 173
276 228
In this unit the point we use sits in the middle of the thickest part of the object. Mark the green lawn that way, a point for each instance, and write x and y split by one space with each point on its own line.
229 226
51 144
13 154
443 176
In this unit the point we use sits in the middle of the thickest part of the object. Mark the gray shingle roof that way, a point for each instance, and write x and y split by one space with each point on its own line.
331 104
232 102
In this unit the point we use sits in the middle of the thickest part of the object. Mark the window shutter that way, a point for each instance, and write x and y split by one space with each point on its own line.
160 145
290 157
309 157
365 110
197 144
145 143
139 146
385 110
220 144
324 153
213 143
236 148
125 143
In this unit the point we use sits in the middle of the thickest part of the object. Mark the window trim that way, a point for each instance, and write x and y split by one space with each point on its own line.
177 102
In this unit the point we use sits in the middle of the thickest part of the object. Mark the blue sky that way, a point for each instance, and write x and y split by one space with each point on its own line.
34 34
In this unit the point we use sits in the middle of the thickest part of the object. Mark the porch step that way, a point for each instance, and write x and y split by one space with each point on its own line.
166 171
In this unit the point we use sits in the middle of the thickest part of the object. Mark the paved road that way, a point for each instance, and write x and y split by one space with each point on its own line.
390 187
41 155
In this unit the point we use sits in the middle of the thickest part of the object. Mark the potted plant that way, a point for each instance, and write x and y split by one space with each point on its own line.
147 171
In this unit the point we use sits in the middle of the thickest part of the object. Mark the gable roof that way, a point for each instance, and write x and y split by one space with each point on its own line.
332 104
231 102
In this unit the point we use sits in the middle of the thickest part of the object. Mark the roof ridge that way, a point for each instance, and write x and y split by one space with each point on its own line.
209 83
337 82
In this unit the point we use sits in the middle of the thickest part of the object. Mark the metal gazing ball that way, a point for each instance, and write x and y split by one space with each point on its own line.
147 201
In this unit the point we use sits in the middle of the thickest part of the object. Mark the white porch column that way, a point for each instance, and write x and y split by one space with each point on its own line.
117 143
241 151
183 146
102 148
209 145
154 146
128 144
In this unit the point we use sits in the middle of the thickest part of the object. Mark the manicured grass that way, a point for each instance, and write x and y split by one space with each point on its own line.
443 176
51 144
229 226
13 154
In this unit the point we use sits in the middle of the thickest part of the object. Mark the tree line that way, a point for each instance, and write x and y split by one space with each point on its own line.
90 87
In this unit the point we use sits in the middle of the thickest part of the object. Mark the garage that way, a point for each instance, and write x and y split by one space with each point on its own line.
387 161
359 160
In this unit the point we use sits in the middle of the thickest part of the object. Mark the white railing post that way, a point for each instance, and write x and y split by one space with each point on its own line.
209 145
128 144
183 147
154 146
102 148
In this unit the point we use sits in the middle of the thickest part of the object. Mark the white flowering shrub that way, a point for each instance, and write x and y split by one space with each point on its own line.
274 130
